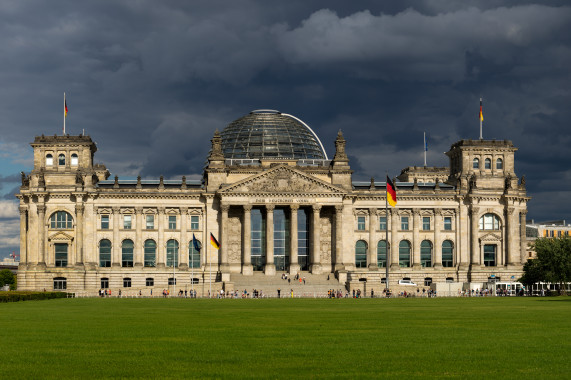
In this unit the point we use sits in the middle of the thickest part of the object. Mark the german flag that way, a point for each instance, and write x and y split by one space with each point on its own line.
481 113
391 193
214 242
65 106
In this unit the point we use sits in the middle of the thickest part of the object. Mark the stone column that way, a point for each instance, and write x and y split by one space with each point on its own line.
116 245
522 237
437 249
79 259
224 243
415 238
139 244
475 246
161 249
23 238
270 269
394 248
184 243
316 237
42 235
512 235
372 252
247 242
339 264
293 263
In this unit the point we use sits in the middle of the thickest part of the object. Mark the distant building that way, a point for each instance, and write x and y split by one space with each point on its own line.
276 203
550 229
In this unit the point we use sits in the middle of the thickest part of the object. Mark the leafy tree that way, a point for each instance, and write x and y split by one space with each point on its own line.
553 262
7 278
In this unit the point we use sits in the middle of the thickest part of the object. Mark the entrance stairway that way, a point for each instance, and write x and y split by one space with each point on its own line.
316 285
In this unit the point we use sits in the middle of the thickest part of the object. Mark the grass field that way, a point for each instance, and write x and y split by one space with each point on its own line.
504 338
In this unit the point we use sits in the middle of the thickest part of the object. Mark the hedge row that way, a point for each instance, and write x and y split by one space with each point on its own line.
30 296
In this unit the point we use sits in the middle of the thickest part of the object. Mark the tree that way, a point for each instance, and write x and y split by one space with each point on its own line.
553 262
7 278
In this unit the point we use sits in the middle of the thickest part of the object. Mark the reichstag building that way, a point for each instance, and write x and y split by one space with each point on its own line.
277 203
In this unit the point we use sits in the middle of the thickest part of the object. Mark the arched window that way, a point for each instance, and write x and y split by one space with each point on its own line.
172 253
499 164
487 163
426 254
404 254
150 253
447 253
127 253
74 159
361 254
382 254
61 220
489 222
61 159
476 163
49 160
105 253
60 283
194 254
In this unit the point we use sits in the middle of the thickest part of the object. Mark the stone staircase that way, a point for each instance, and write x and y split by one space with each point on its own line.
316 285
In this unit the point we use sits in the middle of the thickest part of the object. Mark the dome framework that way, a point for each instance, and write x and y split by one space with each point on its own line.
271 134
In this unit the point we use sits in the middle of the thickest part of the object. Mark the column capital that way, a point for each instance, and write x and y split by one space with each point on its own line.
41 209
338 208
294 207
79 209
270 208
416 211
23 210
316 207
372 211
116 209
224 208
247 208
183 210
437 211
138 210
161 210
474 210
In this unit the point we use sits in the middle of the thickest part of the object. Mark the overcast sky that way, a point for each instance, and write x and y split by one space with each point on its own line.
150 81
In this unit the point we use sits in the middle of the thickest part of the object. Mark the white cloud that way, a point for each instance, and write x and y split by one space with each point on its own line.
9 209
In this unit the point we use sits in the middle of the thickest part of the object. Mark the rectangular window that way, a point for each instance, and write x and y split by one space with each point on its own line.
489 255
448 223
258 239
172 281
558 233
104 222
104 283
172 222
302 239
126 282
404 223
426 223
382 223
361 223
194 222
150 222
61 254
60 283
127 222
149 282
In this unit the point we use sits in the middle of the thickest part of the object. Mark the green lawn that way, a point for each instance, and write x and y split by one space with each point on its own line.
504 338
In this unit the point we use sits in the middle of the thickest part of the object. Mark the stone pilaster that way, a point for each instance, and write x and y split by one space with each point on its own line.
224 267
475 243
79 213
394 247
116 245
139 245
247 242
437 249
42 234
161 249
270 268
514 255
522 237
415 238
372 251
23 237
316 236
184 241
293 262
339 264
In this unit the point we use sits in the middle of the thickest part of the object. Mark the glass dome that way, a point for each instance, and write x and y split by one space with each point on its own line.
270 134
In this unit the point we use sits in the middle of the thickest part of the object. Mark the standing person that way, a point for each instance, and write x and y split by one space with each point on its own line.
279 293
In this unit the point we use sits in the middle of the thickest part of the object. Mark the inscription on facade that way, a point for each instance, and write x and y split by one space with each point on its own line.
280 200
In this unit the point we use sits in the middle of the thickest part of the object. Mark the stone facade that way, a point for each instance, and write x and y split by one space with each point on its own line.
81 231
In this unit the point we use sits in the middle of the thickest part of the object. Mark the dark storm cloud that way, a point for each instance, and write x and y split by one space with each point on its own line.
151 81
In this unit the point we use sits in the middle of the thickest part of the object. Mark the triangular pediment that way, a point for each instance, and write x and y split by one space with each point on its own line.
60 236
491 237
282 179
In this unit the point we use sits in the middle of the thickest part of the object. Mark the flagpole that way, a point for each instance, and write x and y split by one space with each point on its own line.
481 119
387 262
424 148
64 114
